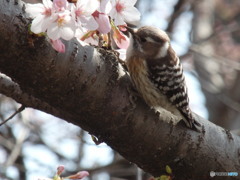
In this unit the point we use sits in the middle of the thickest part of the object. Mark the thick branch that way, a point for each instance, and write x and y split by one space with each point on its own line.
89 88
11 89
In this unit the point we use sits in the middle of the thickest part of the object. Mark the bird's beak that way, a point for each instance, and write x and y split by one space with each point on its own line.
130 31
132 34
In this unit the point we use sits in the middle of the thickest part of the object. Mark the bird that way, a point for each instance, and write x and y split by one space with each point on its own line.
157 73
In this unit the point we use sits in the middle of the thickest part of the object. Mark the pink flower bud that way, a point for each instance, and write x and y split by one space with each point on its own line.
60 47
60 169
102 19
79 175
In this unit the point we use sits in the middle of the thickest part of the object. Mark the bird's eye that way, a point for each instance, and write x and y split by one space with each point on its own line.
143 40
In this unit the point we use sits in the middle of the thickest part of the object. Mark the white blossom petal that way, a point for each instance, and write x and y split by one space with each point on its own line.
87 7
119 20
113 2
113 13
81 3
131 14
53 31
34 9
89 23
67 33
128 2
124 10
36 26
104 25
80 32
47 4
105 6
46 23
92 6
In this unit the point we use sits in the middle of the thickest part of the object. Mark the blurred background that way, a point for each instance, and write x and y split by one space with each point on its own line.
206 36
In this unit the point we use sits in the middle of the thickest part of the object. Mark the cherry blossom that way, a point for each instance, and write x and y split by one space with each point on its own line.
83 13
41 14
124 11
87 20
58 45
63 26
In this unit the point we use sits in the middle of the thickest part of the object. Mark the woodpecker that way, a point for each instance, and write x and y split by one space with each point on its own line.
157 73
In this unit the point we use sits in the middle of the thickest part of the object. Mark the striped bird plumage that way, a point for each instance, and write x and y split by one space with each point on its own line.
157 73
170 81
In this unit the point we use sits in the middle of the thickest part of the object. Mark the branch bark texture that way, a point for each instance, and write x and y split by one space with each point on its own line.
86 86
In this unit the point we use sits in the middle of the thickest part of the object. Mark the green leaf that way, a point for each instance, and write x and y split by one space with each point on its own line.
57 177
168 169
164 177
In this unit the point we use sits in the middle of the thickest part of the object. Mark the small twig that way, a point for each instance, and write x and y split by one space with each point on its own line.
179 8
14 114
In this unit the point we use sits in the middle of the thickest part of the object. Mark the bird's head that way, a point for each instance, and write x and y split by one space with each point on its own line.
148 42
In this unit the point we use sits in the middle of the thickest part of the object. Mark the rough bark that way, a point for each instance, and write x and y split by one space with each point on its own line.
86 86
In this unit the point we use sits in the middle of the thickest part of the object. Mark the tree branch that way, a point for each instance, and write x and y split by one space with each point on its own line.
86 86
179 8
11 89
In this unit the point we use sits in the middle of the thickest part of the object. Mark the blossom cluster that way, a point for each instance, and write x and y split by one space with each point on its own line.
82 19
